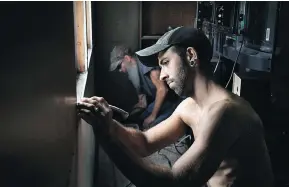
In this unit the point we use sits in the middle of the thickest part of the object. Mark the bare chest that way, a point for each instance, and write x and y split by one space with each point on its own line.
191 117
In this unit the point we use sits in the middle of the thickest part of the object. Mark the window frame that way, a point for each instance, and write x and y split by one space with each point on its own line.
83 34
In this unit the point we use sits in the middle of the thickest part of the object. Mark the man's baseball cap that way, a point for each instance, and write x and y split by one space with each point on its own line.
182 36
117 55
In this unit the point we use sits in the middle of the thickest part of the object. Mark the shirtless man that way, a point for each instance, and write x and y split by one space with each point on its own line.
229 147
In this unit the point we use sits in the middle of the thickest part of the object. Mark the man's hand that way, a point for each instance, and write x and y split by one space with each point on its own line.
142 102
148 121
96 111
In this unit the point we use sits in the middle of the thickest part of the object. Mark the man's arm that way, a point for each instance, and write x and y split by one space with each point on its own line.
217 134
161 93
145 143
142 101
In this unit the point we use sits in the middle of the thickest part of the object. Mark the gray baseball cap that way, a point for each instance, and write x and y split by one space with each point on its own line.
117 55
183 36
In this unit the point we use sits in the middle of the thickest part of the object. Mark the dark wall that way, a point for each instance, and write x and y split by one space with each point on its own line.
37 79
114 23
280 101
280 67
158 15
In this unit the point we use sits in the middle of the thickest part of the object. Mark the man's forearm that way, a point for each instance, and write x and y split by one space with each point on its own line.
132 139
160 97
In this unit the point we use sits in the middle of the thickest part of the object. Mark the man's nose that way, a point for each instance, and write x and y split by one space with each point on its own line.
163 75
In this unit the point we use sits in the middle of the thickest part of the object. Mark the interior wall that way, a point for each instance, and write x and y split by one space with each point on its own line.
37 79
279 128
158 15
114 23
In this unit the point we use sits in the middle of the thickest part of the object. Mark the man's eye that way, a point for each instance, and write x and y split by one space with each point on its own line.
165 62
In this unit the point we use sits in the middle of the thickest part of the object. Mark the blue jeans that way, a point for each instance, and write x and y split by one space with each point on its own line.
168 107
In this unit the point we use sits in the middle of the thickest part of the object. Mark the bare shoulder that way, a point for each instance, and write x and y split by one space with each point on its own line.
221 113
221 107
186 104
233 110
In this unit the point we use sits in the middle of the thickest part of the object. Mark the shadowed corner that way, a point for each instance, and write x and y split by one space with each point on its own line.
16 172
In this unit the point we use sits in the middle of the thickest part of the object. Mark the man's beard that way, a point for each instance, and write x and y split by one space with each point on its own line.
183 83
133 76
181 80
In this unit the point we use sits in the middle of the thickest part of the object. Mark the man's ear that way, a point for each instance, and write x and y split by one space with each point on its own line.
191 54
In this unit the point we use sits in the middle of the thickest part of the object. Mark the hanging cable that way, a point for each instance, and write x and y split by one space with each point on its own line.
169 161
181 141
235 64
217 64
177 149
129 184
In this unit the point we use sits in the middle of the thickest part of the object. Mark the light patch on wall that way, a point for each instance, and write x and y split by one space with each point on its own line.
69 100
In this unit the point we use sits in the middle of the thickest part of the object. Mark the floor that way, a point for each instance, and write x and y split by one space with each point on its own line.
110 176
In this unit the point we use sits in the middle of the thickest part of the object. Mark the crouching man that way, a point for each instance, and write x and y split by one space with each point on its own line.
156 100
